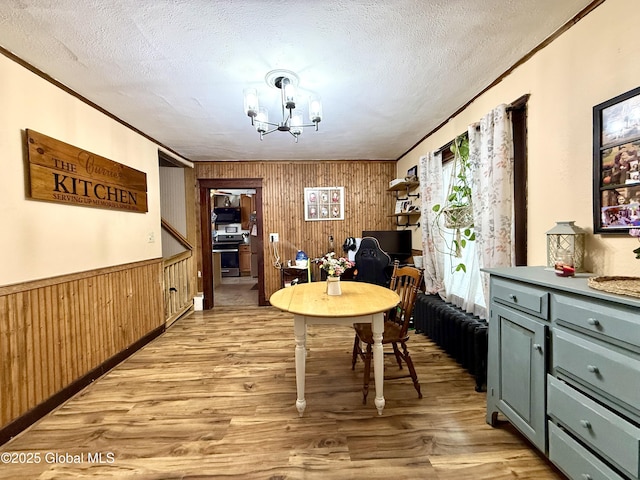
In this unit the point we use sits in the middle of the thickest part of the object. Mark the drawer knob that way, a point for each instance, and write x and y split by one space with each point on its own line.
537 346
593 369
513 298
585 424
593 321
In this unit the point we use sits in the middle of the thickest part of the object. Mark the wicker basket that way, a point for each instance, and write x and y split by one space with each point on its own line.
458 217
620 285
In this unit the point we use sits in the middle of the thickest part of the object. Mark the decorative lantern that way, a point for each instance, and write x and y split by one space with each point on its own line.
565 240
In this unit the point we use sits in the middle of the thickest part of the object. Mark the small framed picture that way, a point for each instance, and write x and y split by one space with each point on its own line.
323 203
413 171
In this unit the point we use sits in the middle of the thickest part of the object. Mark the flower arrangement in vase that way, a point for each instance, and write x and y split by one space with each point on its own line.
334 266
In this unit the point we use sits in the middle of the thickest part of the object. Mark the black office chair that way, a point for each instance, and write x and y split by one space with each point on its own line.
372 263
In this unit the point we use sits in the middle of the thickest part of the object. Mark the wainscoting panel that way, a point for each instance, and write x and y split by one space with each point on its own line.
54 331
178 297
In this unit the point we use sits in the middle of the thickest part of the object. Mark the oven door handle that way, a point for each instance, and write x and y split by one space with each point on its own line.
230 250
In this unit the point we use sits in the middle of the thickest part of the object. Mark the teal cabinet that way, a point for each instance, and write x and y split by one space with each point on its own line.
564 369
517 367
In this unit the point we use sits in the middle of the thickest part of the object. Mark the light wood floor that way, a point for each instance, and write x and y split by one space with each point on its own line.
238 291
214 398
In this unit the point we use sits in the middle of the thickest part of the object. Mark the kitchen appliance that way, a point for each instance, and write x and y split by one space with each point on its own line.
227 245
227 215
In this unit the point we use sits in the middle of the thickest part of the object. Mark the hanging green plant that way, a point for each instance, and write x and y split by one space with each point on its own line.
457 210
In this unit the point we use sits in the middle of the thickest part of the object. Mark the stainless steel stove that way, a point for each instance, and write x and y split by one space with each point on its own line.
227 245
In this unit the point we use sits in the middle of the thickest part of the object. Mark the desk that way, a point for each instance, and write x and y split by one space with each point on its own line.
288 274
359 303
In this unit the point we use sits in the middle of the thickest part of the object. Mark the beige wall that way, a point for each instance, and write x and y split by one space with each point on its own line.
592 62
41 239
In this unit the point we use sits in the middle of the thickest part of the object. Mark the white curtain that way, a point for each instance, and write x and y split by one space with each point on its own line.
491 157
432 193
463 288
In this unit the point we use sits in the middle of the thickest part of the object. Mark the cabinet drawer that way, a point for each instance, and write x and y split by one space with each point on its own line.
612 436
575 460
602 319
523 297
613 374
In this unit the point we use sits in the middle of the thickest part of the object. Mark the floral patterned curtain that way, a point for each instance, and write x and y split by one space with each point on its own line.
431 192
491 156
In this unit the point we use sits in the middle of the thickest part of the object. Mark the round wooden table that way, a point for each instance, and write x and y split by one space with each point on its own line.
359 303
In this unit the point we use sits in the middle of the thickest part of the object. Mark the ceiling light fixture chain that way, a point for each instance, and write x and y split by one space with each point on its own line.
292 122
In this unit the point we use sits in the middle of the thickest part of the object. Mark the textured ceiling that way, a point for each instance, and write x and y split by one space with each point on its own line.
388 72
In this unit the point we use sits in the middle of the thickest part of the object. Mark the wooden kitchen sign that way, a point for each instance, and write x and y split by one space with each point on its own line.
62 173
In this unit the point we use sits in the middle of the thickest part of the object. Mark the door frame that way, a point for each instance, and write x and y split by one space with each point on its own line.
205 185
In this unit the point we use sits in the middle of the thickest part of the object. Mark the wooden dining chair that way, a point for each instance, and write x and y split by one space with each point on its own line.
405 281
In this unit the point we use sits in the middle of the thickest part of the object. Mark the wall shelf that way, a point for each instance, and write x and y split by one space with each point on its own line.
407 216
402 192
404 186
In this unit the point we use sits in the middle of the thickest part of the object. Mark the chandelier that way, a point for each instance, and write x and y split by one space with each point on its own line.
292 121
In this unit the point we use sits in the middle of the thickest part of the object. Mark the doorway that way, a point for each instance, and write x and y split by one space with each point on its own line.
230 285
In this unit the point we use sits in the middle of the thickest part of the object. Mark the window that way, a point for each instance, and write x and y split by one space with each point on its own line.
464 289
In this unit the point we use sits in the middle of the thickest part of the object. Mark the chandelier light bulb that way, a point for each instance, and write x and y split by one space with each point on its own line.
296 124
262 120
288 94
251 102
315 109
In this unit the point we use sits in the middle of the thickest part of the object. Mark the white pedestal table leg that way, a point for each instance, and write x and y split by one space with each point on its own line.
377 327
300 332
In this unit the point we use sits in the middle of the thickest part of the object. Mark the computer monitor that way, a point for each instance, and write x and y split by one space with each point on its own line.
397 243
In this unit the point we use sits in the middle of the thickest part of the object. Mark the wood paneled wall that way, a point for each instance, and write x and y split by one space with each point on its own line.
54 331
178 285
368 203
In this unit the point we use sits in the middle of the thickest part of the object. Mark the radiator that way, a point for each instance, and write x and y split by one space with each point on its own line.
462 335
